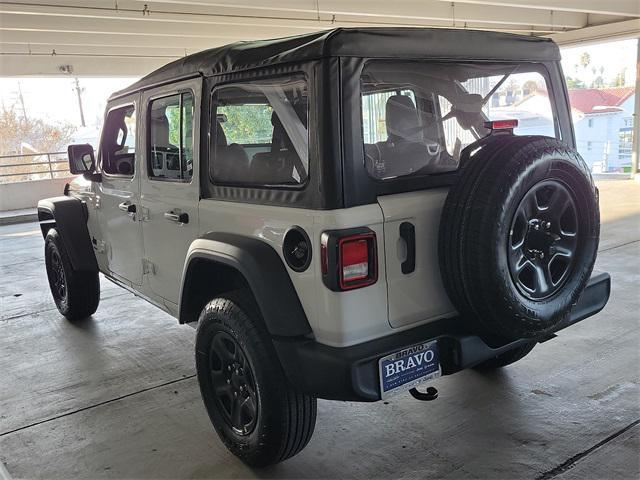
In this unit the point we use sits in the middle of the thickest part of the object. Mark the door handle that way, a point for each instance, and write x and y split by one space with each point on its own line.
128 207
177 217
408 234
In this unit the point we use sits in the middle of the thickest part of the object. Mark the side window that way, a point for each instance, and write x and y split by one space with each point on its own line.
260 133
171 137
118 147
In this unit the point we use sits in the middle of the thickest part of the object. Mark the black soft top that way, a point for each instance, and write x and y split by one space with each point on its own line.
374 42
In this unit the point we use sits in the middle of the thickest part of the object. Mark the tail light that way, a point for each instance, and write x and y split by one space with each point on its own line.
349 258
508 124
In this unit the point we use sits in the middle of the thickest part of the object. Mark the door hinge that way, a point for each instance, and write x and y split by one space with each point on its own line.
145 214
99 246
148 268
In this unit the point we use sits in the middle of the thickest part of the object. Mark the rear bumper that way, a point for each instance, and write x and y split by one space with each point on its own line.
351 373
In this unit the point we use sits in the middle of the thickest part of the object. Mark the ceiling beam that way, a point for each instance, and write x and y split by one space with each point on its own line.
49 66
133 50
599 33
61 39
377 12
623 8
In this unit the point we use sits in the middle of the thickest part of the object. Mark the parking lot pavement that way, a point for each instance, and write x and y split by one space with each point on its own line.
116 396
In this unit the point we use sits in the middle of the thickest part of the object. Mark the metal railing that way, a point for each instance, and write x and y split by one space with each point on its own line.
33 166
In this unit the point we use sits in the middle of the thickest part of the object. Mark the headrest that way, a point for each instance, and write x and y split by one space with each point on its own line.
467 110
402 119
280 139
160 131
275 120
221 138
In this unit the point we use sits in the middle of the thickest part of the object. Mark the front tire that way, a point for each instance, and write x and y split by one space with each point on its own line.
258 415
76 294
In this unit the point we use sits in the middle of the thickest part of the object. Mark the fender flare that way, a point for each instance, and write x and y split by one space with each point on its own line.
69 217
264 272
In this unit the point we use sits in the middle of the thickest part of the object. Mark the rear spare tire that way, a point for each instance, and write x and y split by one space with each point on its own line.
519 235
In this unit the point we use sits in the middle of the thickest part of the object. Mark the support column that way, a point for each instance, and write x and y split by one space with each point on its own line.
635 149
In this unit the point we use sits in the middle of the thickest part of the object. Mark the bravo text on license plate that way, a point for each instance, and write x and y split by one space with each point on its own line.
408 367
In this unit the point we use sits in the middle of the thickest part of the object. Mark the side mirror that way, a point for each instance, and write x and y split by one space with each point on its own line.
83 162
81 159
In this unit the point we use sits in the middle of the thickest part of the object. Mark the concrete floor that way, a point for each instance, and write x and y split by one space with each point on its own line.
116 396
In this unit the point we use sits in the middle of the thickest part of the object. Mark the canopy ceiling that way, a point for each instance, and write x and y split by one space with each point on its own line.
133 37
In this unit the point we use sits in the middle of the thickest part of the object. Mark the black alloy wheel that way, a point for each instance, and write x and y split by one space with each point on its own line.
543 239
75 293
58 278
235 389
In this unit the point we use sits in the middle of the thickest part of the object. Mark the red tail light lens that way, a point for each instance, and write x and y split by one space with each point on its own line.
357 261
509 124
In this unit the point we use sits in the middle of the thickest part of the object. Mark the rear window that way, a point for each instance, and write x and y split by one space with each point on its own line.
417 117
259 133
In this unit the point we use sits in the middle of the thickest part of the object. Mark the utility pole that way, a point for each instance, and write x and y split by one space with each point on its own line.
79 90
21 98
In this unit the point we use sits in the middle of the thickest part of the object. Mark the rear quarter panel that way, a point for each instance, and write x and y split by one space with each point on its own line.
337 318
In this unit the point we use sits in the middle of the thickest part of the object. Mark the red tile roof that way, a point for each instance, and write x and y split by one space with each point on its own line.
599 100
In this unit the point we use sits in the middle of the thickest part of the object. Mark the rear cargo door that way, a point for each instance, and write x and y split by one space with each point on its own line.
411 224
403 134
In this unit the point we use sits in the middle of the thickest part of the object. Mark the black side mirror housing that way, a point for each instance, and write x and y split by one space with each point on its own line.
81 159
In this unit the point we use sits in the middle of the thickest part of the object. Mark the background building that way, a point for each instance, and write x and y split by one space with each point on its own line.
603 122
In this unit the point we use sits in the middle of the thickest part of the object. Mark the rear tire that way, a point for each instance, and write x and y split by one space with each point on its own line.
507 358
76 294
258 415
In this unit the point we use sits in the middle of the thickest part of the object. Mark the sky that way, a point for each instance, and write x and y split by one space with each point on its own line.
613 56
55 100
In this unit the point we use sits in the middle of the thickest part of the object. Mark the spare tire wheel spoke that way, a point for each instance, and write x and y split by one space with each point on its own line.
558 202
530 206
543 278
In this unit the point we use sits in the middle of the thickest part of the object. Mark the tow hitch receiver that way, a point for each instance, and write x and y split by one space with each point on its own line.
430 394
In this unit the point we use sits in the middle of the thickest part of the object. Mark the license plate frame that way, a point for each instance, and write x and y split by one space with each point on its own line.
404 373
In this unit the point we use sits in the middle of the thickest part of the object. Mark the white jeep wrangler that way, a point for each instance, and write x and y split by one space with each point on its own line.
342 214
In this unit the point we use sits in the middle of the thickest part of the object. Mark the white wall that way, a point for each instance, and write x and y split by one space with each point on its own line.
19 195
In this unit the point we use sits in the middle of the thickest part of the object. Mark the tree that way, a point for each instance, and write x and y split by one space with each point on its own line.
17 131
585 60
574 83
42 136
620 79
530 86
247 124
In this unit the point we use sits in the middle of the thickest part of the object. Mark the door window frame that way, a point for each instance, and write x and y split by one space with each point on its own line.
136 163
194 134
